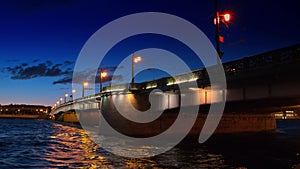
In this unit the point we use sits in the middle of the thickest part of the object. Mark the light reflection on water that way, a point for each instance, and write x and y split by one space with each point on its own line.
47 144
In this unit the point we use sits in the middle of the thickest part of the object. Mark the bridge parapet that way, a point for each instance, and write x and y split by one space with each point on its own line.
257 77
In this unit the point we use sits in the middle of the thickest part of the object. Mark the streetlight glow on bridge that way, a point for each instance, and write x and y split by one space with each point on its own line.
135 59
103 74
84 84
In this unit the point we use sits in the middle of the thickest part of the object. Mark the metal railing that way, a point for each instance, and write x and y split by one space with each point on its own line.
277 57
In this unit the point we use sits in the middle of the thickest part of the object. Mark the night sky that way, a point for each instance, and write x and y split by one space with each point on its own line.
40 40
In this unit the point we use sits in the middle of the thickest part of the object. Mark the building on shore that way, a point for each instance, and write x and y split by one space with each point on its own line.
289 114
22 109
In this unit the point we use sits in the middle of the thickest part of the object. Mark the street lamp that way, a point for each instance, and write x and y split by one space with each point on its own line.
60 100
66 95
83 87
225 18
135 59
102 75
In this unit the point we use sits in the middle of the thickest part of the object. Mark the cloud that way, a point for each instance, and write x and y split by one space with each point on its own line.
47 69
64 80
48 62
64 72
24 64
19 72
67 63
89 76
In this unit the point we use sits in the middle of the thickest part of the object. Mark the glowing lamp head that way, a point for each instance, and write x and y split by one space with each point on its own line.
66 95
227 17
137 59
85 84
73 91
104 74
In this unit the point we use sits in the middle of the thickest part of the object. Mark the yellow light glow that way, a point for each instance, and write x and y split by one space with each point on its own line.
104 74
184 81
73 91
85 83
66 95
115 90
137 59
149 86
195 89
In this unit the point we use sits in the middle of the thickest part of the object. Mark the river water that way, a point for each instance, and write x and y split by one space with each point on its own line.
48 144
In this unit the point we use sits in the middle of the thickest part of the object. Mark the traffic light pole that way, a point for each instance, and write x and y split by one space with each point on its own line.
217 20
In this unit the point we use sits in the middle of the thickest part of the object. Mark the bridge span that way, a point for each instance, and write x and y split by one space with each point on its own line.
257 86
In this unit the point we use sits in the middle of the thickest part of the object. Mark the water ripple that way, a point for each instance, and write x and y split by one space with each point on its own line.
47 144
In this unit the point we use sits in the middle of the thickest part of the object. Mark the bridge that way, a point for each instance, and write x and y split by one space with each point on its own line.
257 86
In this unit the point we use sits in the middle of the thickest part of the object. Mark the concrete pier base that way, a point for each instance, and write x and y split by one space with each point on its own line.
70 117
239 123
230 123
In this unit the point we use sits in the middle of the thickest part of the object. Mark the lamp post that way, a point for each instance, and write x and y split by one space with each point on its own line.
60 100
102 75
134 60
225 18
66 95
73 92
83 87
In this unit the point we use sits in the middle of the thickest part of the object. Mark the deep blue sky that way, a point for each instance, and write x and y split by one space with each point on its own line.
40 40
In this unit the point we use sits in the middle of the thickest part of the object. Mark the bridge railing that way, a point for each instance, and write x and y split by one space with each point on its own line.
277 57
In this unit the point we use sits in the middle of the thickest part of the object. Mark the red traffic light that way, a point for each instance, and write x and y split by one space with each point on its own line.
227 17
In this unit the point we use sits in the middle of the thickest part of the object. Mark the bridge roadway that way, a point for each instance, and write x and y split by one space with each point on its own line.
256 87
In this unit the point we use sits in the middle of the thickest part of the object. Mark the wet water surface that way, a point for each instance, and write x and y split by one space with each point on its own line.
48 144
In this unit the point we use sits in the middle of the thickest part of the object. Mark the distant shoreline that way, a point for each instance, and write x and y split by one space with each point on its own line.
22 116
